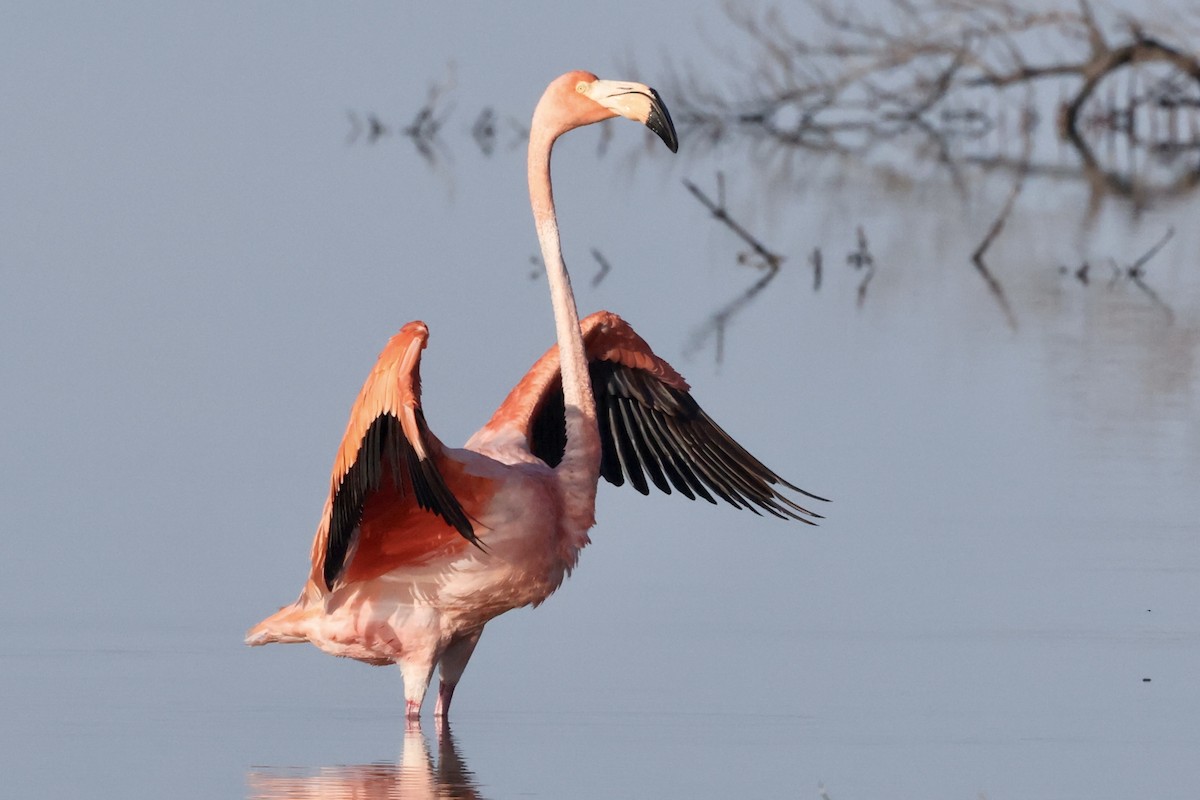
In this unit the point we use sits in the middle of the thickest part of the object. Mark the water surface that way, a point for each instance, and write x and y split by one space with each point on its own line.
1002 601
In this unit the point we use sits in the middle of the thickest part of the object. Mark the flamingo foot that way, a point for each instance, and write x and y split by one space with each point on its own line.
412 714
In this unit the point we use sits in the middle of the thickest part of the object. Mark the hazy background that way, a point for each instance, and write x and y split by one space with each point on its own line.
197 270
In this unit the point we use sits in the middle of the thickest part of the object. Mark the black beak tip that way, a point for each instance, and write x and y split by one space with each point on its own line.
659 121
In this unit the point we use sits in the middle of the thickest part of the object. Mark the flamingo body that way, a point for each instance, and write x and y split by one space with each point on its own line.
420 545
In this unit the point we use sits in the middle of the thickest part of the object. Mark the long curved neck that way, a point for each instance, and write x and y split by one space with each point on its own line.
580 467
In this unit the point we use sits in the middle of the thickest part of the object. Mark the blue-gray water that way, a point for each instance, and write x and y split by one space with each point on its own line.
198 272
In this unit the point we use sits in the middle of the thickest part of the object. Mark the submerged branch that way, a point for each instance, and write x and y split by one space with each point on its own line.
767 260
937 76
605 267
717 209
862 259
1136 273
998 224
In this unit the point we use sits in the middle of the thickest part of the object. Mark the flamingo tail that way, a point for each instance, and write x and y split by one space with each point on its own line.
288 625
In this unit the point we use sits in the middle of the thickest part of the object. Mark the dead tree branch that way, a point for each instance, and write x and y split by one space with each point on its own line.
717 209
1135 273
484 131
997 227
423 129
605 267
936 74
762 258
861 259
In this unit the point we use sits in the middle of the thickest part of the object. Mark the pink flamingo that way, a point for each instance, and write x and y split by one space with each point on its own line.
420 545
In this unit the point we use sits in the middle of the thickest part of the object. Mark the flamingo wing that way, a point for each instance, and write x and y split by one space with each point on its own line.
388 456
652 430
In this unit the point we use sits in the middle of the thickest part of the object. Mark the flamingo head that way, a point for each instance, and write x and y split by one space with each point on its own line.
580 98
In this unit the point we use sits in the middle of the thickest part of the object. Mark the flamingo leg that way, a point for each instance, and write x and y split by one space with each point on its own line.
454 661
417 672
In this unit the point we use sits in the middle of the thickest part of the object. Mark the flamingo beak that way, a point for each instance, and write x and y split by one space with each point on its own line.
637 102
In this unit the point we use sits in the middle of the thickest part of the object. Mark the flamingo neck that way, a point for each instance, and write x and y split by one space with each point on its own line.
580 468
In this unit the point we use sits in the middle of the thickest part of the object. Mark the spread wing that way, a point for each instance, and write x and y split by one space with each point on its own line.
652 431
388 465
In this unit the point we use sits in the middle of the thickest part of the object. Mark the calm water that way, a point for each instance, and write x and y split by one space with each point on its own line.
1002 602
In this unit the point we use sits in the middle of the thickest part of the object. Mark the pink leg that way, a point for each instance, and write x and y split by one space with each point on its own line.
454 661
445 695
417 673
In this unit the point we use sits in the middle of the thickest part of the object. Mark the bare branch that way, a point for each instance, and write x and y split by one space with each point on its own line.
998 226
762 258
915 72
484 131
772 260
862 259
1136 274
605 267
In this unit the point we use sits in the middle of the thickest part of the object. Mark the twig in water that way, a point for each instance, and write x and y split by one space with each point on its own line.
604 266
424 128
862 259
1135 270
770 259
1080 273
977 257
1135 273
423 131
377 129
815 260
1001 219
484 131
720 318
760 257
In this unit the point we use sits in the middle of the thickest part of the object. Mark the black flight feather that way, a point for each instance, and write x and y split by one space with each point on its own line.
386 450
649 429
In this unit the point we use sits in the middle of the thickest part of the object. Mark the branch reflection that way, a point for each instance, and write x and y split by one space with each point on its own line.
993 136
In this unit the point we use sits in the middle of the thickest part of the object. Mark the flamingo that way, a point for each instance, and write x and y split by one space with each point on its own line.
420 545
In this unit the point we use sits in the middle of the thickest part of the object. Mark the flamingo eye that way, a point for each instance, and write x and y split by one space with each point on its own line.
582 87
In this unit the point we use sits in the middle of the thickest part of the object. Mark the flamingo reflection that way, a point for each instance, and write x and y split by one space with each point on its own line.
415 776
